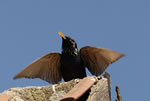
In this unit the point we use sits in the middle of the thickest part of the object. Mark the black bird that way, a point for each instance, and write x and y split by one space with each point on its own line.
71 63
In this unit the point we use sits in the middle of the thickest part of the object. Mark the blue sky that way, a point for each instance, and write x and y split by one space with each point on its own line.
29 29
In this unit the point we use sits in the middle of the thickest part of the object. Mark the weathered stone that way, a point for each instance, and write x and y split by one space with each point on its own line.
100 91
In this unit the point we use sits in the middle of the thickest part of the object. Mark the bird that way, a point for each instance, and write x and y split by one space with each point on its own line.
71 63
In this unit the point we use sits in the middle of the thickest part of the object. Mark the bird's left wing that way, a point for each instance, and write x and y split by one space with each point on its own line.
98 59
46 68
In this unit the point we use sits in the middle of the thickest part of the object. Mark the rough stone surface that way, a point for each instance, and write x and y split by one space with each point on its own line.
99 92
44 93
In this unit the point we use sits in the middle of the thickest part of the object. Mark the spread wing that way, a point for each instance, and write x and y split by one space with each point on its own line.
46 68
98 59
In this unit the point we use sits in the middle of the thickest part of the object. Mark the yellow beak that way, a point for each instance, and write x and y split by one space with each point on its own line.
62 35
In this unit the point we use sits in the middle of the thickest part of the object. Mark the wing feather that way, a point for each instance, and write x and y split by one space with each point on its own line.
98 59
46 68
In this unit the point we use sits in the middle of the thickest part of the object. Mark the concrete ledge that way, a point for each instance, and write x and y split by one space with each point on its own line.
100 91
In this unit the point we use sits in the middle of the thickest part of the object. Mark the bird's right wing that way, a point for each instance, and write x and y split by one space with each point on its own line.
98 59
46 68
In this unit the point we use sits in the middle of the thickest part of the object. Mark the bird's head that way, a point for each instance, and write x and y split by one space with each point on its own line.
68 44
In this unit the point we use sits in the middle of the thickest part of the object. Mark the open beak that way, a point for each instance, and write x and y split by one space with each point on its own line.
62 35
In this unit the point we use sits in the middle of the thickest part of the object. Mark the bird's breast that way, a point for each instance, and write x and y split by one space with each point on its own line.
72 67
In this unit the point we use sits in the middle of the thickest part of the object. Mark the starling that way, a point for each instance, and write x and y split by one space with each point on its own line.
71 63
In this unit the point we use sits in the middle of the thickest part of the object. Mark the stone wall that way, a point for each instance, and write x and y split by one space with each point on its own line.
100 91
